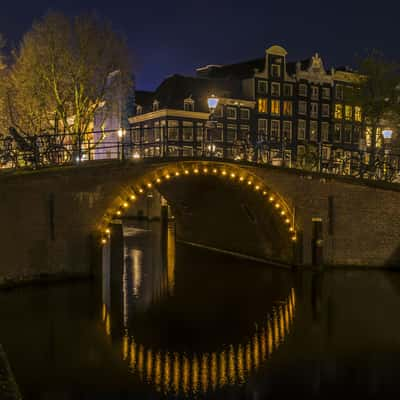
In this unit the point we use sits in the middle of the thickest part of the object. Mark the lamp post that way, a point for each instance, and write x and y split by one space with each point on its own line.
212 103
121 135
387 139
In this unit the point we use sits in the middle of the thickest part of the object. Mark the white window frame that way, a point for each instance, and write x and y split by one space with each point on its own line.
315 92
301 129
313 136
301 87
275 67
228 109
247 110
264 84
228 128
324 94
302 103
273 91
286 124
275 122
325 131
325 109
314 110
264 130
290 86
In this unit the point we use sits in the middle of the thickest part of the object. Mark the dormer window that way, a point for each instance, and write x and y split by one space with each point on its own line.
139 109
188 104
156 105
276 71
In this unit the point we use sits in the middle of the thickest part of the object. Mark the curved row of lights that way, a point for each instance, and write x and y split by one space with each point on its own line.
229 173
191 374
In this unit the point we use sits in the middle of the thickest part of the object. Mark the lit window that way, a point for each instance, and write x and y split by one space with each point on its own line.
275 89
302 107
231 132
314 110
301 129
325 131
302 90
338 133
348 111
347 134
338 111
287 90
339 92
262 87
314 92
276 71
287 108
231 113
287 130
368 136
326 93
244 113
357 114
313 131
262 105
275 107
275 130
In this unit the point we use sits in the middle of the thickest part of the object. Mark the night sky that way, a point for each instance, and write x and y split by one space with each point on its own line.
168 37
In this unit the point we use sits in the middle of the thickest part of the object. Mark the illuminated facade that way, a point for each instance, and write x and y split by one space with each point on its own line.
292 108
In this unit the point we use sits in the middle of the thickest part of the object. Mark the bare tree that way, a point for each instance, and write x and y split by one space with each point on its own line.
60 78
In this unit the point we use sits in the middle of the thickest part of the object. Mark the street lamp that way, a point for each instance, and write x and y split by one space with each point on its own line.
387 138
212 103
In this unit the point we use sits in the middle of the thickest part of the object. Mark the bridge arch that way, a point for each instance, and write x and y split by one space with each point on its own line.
230 174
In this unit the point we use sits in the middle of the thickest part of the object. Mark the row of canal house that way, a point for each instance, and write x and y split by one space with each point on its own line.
283 108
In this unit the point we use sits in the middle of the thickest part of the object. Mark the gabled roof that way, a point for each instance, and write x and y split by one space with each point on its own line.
237 71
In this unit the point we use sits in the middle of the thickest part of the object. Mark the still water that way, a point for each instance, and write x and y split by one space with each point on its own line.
171 321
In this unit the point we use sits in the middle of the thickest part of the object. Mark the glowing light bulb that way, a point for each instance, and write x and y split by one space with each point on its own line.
108 231
196 171
103 241
215 171
271 198
294 238
249 182
224 172
291 229
241 179
168 176
125 205
287 221
119 212
140 190
149 185
205 170
283 212
133 197
232 175
158 180
186 172
177 173
277 205
264 193
257 187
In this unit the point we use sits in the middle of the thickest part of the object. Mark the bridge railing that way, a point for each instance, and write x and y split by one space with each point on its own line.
53 150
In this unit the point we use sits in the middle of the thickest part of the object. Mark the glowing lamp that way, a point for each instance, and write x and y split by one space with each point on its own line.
212 102
133 197
196 171
158 180
186 172
387 134
121 132
257 187
125 205
108 231
140 190
205 170
118 212
149 185
103 241
177 173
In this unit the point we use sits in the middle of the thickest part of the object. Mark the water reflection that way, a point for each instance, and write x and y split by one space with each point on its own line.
179 372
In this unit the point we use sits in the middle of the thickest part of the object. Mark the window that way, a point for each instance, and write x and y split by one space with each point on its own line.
301 129
187 131
287 108
217 133
313 131
326 93
325 132
244 113
338 111
275 71
231 113
244 129
339 92
275 130
326 153
199 131
231 132
275 107
156 105
287 90
348 112
368 135
338 133
314 110
275 89
314 92
173 130
356 134
302 107
357 114
188 105
301 151
139 110
262 87
287 130
262 105
347 134
262 129
325 110
302 90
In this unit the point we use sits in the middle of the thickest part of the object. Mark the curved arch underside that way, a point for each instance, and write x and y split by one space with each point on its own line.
217 205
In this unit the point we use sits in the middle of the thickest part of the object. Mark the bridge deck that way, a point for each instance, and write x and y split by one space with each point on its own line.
8 387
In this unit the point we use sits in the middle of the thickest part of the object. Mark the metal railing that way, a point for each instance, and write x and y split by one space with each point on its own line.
56 150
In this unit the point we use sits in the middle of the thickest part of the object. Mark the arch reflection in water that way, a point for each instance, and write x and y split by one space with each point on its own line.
182 373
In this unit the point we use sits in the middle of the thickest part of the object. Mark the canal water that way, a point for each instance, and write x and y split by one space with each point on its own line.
166 320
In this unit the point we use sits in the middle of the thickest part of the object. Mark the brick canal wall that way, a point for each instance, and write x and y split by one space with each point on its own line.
50 219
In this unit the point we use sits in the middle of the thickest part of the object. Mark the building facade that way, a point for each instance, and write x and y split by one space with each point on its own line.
287 111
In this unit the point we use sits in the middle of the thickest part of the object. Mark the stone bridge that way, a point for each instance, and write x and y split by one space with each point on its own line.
55 220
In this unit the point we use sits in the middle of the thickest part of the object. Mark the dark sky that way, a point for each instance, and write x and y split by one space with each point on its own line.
177 36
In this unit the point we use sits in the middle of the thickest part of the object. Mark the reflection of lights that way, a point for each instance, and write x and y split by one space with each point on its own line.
136 155
137 271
